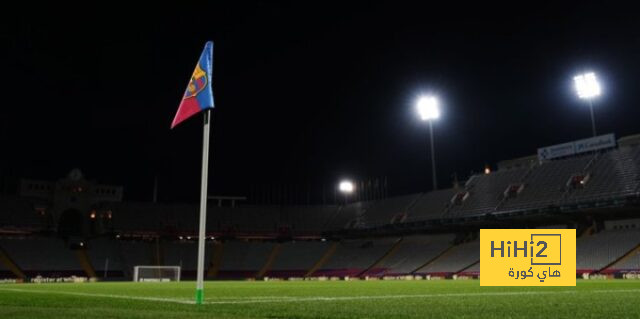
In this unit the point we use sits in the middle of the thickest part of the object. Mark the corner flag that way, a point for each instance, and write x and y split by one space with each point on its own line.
198 96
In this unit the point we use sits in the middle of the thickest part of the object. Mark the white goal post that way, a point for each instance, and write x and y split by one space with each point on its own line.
156 273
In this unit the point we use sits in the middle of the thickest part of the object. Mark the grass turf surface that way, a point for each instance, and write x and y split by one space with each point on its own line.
359 299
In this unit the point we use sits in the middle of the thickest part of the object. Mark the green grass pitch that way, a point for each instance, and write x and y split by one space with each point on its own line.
312 299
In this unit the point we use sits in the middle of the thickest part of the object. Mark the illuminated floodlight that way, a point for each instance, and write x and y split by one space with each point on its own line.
587 85
346 187
428 108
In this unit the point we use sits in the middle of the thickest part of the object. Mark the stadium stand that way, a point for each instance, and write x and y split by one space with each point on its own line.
348 216
250 218
183 254
382 212
457 259
352 257
414 252
485 192
4 271
430 205
599 250
546 183
296 258
137 216
42 256
472 271
308 219
370 238
17 212
8 267
615 173
134 253
105 255
630 264
243 259
610 174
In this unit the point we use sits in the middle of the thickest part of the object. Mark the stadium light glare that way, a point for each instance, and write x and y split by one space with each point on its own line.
346 187
587 87
428 108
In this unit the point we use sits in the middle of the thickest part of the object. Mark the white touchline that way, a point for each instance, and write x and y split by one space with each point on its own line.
275 299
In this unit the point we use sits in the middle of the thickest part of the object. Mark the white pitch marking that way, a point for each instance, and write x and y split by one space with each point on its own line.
343 298
83 294
275 299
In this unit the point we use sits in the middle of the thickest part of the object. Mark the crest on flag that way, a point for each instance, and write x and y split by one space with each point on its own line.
197 83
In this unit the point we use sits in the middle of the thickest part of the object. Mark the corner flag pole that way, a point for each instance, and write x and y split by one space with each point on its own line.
199 97
203 207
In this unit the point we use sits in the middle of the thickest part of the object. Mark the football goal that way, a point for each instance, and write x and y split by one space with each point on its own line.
156 273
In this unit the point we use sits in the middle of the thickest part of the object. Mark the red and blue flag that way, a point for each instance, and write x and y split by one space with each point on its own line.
198 95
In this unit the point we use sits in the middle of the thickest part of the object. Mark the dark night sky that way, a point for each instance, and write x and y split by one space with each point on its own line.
306 94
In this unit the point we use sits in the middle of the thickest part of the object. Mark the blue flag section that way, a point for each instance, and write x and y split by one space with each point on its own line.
198 96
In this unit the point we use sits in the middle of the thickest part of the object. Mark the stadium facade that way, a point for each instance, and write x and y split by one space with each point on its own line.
79 227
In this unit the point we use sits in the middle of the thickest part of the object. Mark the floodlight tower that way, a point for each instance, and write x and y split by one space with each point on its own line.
588 88
429 111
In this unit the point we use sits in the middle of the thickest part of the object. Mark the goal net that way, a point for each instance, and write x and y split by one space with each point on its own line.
156 273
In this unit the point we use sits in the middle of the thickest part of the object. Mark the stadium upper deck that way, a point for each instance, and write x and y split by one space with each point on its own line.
601 179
